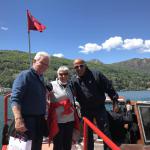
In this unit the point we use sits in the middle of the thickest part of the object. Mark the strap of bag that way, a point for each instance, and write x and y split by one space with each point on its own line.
74 101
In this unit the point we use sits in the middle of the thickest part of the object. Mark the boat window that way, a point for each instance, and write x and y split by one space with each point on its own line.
144 113
109 106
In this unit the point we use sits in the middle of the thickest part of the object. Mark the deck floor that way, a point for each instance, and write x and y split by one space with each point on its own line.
47 147
96 147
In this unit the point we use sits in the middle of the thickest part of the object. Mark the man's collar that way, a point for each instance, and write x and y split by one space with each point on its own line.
34 71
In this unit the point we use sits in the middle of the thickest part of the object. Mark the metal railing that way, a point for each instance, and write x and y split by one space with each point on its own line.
87 124
6 107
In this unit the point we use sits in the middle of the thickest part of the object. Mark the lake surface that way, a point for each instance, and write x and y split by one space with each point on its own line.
136 95
132 95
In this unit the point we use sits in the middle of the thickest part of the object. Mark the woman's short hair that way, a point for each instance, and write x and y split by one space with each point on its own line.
39 54
63 68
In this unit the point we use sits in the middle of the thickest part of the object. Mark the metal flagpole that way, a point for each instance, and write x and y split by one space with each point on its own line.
33 24
29 49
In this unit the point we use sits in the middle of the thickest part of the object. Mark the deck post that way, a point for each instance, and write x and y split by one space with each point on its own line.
85 135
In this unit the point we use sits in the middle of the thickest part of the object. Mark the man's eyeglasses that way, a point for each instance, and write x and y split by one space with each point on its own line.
78 66
44 64
63 74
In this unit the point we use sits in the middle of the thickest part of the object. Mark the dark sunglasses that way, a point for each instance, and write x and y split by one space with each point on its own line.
79 66
63 74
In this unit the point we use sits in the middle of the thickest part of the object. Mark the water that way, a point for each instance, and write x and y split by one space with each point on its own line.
132 95
136 95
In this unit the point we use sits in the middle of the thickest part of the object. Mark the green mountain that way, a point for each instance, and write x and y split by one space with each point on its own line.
136 64
124 75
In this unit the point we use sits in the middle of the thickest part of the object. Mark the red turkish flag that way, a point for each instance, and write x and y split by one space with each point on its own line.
34 24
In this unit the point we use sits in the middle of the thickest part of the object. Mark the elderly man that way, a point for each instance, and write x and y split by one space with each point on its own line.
90 88
28 100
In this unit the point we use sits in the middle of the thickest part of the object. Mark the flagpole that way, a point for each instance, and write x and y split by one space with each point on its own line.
33 24
29 49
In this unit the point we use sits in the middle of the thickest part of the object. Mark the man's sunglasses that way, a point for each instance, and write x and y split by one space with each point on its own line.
79 66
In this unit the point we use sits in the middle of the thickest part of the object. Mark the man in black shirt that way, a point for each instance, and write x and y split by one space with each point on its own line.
90 88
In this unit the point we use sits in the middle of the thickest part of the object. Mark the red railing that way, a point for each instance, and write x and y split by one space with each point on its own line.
4 147
6 107
87 123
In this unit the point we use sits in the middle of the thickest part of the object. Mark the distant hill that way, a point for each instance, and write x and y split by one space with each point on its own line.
136 64
95 61
129 75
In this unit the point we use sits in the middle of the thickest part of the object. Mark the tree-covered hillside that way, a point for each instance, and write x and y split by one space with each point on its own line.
137 64
12 62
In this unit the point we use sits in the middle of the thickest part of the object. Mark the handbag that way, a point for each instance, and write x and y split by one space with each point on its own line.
16 143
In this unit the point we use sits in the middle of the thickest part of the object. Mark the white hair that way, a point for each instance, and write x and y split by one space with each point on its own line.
39 54
63 68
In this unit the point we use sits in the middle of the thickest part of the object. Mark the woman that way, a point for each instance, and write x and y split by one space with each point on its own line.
62 103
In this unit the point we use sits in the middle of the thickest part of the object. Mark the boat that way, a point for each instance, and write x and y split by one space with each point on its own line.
141 112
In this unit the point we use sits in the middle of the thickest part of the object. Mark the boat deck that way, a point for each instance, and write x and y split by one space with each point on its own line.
97 146
47 147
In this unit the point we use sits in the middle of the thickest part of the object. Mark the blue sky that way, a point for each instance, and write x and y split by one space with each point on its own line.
108 30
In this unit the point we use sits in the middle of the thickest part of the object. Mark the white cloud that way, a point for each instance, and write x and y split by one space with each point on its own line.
132 44
4 28
145 50
117 42
60 55
147 44
90 48
112 42
146 47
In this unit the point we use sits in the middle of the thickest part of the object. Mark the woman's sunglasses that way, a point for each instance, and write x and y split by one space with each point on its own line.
63 74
